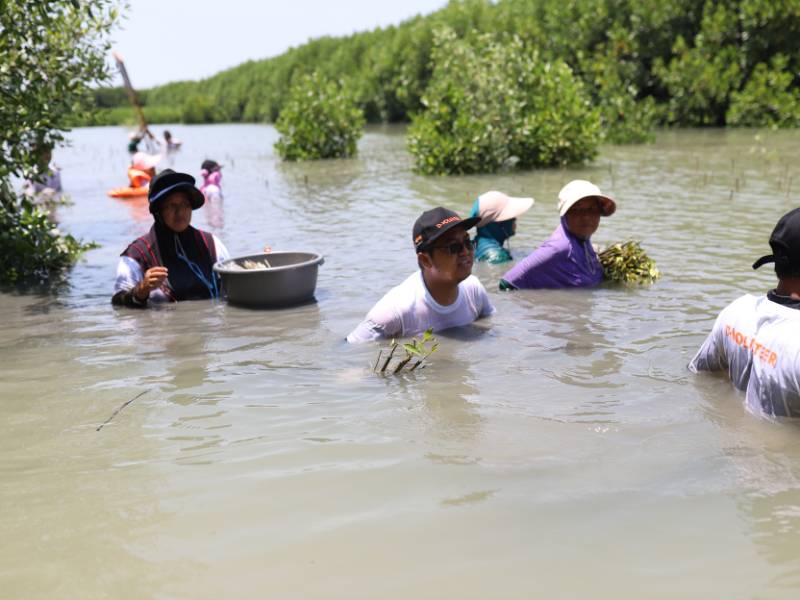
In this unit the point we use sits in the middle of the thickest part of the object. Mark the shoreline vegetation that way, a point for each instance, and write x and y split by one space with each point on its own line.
50 54
485 86
636 64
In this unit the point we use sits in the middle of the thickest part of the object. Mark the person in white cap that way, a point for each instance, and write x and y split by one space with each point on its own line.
442 294
142 169
498 221
756 339
566 258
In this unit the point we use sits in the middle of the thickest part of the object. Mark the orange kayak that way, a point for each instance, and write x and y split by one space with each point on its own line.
128 192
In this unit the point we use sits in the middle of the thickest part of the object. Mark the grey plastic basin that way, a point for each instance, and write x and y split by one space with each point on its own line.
291 278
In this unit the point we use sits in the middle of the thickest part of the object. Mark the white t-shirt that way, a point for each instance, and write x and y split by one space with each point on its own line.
129 273
758 342
409 310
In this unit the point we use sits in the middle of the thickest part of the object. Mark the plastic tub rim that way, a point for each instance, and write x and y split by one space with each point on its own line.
222 268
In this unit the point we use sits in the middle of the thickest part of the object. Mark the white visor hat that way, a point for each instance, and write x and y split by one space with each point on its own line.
497 206
578 189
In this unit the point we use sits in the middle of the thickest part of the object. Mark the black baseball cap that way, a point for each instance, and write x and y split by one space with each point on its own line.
784 241
168 181
434 223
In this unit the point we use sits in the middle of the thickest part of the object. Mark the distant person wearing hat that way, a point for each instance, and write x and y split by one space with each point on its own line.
442 294
211 173
566 258
756 339
142 169
173 261
498 221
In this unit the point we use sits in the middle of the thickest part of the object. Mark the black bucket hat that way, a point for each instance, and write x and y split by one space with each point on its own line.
785 242
434 223
168 181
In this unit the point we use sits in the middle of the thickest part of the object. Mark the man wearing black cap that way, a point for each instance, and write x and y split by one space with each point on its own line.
173 261
757 338
442 294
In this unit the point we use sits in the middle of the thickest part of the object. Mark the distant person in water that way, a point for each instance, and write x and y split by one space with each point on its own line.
756 339
211 173
173 261
441 294
142 169
498 221
566 259
134 139
171 143
48 185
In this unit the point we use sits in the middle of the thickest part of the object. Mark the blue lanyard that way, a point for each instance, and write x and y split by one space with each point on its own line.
196 270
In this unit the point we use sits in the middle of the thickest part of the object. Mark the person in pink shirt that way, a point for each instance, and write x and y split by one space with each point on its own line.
211 171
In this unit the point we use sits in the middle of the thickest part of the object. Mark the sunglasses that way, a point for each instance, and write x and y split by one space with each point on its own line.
455 248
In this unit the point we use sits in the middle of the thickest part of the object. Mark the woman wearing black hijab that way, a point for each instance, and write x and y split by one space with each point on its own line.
173 261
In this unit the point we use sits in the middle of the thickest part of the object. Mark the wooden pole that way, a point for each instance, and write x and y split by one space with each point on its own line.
132 96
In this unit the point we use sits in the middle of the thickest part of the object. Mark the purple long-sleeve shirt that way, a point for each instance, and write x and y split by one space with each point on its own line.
563 260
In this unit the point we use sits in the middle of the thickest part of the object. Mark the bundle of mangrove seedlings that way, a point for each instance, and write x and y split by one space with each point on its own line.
626 262
414 354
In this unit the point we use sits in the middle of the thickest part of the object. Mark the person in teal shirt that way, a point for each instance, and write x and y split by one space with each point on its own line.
498 221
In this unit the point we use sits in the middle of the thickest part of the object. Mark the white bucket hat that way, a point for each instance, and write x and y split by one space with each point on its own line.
578 189
497 206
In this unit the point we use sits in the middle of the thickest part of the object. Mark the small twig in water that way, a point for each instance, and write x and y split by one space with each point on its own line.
116 412
402 364
388 358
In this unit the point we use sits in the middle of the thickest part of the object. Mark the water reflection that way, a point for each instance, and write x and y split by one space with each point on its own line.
138 208
187 365
318 186
575 322
450 405
764 459
214 212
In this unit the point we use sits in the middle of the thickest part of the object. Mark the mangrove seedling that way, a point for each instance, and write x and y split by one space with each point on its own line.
416 352
626 262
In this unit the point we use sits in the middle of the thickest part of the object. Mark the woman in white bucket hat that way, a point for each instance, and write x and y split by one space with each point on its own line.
566 258
498 221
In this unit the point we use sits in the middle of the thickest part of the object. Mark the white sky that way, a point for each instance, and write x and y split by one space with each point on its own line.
172 40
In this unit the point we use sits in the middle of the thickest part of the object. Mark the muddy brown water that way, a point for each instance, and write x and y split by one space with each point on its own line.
560 449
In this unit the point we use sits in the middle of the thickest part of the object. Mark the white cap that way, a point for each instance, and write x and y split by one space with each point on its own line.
144 161
497 206
578 189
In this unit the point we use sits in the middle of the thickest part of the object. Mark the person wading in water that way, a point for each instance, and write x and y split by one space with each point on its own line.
441 294
173 261
756 339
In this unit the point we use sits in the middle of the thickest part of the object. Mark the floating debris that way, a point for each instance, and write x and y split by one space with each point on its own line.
116 412
626 262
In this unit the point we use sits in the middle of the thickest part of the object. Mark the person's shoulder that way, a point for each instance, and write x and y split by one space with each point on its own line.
557 245
404 292
473 288
388 310
472 283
